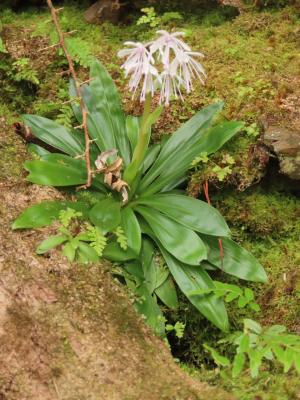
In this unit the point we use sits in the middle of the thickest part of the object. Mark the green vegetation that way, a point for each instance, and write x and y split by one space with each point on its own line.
252 62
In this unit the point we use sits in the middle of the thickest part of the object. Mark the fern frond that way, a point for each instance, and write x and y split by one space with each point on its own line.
65 116
98 240
121 238
65 216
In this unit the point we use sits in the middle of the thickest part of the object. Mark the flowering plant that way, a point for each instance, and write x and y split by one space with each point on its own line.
134 210
178 66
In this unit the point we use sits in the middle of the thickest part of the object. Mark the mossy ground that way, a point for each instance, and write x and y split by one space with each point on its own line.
252 62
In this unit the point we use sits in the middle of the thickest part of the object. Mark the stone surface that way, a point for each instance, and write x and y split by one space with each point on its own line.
285 143
103 10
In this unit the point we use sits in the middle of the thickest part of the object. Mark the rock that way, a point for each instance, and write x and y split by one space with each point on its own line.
285 143
103 10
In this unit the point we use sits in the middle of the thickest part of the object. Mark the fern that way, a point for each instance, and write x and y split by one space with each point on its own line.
98 240
121 238
80 51
65 116
65 216
24 71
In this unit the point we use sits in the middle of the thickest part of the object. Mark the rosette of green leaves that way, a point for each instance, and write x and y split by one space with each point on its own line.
185 230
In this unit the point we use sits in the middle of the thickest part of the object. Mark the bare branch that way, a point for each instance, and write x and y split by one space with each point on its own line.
73 73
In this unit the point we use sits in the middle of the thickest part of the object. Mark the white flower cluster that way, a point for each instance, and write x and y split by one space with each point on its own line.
166 63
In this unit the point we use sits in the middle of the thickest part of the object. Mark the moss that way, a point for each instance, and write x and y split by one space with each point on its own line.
270 385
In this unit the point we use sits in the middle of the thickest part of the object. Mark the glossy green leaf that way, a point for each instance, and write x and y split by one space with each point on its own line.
86 253
147 306
134 268
113 252
237 261
218 135
37 150
208 141
98 126
190 278
54 134
148 265
132 128
181 242
106 214
43 214
50 243
131 229
105 101
174 150
167 293
150 157
194 214
56 170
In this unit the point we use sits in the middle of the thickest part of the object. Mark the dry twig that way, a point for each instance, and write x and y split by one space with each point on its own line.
73 73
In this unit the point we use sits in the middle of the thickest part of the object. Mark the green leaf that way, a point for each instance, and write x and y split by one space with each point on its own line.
255 358
238 364
69 251
275 330
217 136
297 361
132 229
147 306
106 102
132 128
254 306
198 144
237 261
56 170
219 360
279 353
106 214
253 326
167 293
182 243
37 150
244 343
288 359
231 296
249 294
50 243
189 279
193 214
242 302
54 134
43 214
180 150
150 157
86 253
113 252
148 265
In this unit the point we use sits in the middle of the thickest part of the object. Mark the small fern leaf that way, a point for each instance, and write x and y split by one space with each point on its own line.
121 238
97 240
65 216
